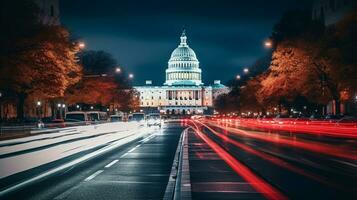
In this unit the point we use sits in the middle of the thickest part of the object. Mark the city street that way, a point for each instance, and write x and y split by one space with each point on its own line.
328 170
139 169
214 160
178 100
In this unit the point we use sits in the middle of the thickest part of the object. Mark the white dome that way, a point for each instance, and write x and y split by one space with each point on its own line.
183 53
183 66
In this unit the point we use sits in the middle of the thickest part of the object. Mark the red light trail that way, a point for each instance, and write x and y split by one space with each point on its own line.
302 144
272 159
323 128
257 183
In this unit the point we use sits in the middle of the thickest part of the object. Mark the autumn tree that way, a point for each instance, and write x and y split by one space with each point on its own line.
101 84
36 60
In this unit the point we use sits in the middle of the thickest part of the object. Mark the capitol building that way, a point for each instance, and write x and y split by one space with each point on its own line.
183 91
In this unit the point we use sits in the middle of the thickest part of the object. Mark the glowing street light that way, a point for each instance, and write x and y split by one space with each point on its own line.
59 105
91 107
246 70
238 77
38 103
117 70
81 45
131 76
268 44
63 105
77 106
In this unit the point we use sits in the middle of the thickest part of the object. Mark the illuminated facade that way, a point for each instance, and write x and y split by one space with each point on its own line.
183 91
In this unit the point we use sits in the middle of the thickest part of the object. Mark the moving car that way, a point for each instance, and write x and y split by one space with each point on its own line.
153 119
116 118
97 116
77 117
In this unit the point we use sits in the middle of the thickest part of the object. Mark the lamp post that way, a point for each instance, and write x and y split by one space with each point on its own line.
38 107
268 44
81 45
246 70
131 76
117 70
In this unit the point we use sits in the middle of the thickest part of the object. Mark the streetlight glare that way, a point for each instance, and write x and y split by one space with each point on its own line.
246 70
117 70
131 76
238 77
38 103
81 45
268 44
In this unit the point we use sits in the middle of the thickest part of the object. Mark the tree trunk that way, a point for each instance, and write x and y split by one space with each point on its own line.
337 105
20 106
53 107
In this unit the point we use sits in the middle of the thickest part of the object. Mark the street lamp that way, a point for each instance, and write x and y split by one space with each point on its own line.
268 44
131 76
117 70
91 107
246 70
77 106
81 45
238 77
63 105
38 103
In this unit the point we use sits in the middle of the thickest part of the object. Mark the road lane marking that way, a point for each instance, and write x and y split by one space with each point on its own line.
93 175
131 150
124 155
138 145
111 163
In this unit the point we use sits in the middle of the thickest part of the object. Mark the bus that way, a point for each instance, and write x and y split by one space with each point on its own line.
97 116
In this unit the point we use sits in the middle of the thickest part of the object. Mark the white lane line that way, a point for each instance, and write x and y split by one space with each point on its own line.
123 155
111 163
93 175
138 145
131 150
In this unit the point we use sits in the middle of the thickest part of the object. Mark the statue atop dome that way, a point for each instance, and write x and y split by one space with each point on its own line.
183 38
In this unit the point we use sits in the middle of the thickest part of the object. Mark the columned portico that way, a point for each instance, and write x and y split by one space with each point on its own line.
183 91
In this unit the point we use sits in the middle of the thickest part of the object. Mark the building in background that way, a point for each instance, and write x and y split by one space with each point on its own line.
183 91
49 12
331 11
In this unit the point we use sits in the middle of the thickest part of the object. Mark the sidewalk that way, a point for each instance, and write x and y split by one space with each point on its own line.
211 177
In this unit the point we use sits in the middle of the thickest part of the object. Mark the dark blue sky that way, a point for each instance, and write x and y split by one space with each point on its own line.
141 34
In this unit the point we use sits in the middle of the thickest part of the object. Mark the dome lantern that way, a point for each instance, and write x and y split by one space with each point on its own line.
183 66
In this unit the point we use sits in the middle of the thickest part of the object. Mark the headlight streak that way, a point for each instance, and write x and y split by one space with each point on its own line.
306 145
320 128
256 182
277 161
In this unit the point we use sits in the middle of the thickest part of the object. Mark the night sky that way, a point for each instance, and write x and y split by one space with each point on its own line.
226 35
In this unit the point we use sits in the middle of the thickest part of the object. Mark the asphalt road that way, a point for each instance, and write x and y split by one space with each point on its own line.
296 172
137 170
